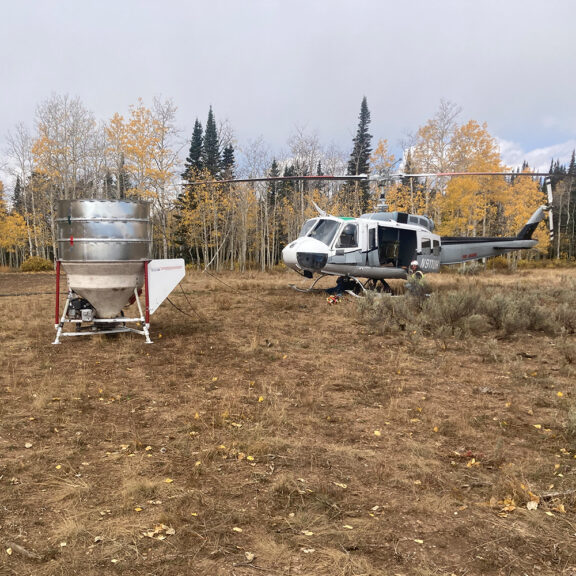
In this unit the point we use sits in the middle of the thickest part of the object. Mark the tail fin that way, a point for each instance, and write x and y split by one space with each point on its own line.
538 216
532 224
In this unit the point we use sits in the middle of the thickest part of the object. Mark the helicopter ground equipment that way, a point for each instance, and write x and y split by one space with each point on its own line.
104 248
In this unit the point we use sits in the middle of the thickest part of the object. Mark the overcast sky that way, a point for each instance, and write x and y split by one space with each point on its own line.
270 66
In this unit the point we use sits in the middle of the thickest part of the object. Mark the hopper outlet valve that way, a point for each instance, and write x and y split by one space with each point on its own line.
80 310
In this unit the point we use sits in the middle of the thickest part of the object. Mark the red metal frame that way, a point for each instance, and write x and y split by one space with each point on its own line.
147 298
57 292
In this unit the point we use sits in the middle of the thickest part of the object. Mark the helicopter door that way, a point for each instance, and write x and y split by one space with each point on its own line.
396 246
429 254
372 256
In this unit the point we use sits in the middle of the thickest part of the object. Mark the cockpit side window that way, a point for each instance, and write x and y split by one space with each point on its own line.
348 237
426 246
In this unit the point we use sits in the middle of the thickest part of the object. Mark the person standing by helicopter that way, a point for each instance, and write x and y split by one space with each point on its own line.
414 270
415 279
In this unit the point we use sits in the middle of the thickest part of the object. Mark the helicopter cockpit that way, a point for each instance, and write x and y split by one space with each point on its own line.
322 229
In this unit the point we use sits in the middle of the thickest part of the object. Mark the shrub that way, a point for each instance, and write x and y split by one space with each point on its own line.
386 313
468 308
452 309
37 264
566 317
570 422
496 308
500 263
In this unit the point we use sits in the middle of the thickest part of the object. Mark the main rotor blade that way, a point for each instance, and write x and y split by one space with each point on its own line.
281 179
436 174
361 177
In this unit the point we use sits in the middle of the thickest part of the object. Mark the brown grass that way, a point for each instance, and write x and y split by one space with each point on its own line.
269 432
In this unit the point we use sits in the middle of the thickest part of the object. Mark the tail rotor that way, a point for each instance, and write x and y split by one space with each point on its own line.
549 206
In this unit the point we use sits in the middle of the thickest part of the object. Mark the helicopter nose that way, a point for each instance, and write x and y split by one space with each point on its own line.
289 256
313 261
305 254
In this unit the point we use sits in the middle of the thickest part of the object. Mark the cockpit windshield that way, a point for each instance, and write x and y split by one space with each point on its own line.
307 226
325 230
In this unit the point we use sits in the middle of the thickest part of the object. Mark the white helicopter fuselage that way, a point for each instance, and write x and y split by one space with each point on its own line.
385 245
365 247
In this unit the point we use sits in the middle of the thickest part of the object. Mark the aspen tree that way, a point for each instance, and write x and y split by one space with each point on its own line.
20 153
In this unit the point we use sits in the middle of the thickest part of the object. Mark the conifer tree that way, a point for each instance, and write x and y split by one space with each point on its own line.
211 149
320 185
288 187
193 162
228 162
17 198
274 185
187 199
359 162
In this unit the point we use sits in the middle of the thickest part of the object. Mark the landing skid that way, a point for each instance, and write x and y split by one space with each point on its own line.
378 286
311 288
358 290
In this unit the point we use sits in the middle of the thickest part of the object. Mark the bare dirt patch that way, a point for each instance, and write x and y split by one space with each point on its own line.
269 432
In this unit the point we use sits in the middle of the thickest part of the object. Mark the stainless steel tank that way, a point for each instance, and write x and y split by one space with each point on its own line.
102 246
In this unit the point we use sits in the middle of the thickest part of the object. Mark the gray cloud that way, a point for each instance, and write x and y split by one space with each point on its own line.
268 66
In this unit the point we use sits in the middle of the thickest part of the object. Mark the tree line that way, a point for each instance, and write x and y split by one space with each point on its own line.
211 222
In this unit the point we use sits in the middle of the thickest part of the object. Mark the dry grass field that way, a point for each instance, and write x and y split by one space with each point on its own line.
269 432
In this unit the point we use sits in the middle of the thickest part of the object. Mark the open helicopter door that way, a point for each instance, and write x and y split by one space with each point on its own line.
372 253
396 247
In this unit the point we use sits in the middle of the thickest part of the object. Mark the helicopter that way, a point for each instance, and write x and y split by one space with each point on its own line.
381 246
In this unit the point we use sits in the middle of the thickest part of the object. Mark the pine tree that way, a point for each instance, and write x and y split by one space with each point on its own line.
320 185
359 162
193 162
273 186
211 149
17 198
187 200
287 187
228 162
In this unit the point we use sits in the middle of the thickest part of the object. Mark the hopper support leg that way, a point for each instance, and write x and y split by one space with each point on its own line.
145 323
60 325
